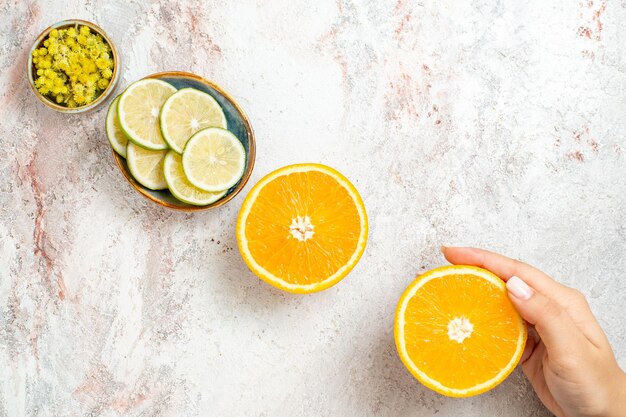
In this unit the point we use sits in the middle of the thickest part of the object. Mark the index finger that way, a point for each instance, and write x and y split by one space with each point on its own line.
502 266
505 268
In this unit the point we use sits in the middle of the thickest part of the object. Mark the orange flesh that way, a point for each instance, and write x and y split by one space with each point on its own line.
478 358
332 213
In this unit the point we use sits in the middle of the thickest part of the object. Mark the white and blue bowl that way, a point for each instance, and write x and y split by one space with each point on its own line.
238 123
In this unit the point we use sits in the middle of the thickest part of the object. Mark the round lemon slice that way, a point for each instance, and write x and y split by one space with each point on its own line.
117 138
181 188
146 166
138 112
186 112
214 159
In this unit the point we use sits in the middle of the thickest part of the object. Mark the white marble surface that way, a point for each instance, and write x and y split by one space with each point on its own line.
495 124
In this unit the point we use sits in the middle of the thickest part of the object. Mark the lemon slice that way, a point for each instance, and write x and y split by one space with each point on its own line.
138 112
117 138
186 112
146 166
181 188
214 159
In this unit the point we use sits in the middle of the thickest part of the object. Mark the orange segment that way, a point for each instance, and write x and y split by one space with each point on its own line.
457 332
302 228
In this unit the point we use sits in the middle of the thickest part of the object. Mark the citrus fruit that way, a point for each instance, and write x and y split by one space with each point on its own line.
302 228
457 332
186 112
146 166
117 138
214 159
181 188
138 112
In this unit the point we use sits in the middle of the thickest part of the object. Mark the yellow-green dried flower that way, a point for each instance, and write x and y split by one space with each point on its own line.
73 66
89 67
102 63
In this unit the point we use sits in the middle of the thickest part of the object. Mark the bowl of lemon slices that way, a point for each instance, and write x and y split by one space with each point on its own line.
181 141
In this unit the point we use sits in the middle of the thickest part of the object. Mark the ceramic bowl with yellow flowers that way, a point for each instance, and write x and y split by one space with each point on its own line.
73 66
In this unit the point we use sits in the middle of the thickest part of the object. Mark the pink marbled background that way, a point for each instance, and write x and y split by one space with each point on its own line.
497 124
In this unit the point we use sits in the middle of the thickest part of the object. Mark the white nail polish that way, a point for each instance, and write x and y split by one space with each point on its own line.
519 288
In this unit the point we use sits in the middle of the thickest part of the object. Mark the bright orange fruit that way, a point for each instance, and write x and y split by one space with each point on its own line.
457 331
302 228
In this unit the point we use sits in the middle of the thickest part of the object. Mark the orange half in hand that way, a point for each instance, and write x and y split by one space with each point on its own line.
457 331
302 228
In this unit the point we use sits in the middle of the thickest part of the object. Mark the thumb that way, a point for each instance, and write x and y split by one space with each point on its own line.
555 327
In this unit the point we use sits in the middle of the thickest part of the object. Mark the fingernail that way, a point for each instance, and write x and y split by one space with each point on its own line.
519 288
443 249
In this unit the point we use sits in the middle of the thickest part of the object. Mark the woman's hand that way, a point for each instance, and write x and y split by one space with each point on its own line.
567 359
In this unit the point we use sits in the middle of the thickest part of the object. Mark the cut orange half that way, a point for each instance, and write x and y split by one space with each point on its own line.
302 228
457 331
